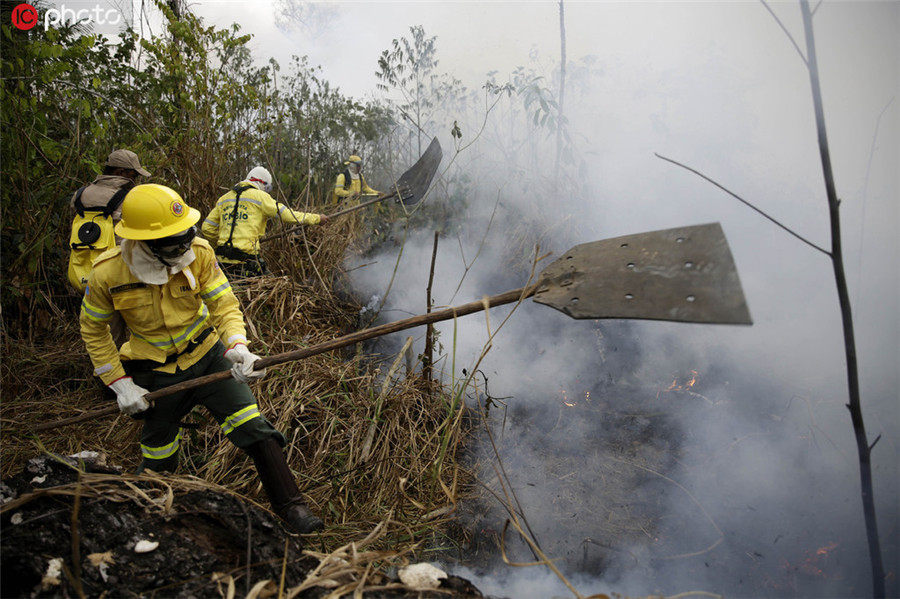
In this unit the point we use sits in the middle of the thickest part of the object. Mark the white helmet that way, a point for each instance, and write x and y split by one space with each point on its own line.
261 177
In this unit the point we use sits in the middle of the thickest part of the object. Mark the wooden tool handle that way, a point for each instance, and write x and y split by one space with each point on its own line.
508 297
381 198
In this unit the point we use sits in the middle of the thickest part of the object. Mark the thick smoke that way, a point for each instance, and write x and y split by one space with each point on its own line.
744 482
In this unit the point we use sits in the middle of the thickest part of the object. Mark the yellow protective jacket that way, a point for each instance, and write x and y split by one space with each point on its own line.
162 318
254 208
356 186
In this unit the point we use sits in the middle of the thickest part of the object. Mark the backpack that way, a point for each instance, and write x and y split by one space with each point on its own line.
227 249
92 234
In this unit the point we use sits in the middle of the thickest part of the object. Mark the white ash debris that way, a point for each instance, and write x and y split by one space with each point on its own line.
94 457
6 494
16 518
145 546
421 577
102 561
51 576
372 306
48 465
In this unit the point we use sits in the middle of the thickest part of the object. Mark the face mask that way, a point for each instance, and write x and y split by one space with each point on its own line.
172 247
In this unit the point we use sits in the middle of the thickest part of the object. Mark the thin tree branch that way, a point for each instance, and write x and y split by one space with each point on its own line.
740 199
468 265
428 357
786 32
865 197
818 4
872 446
562 89
840 278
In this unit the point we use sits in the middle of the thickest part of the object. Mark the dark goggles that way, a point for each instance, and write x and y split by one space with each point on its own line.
173 246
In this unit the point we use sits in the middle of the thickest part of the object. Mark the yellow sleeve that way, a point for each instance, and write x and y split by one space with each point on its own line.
365 189
216 293
96 312
339 190
210 228
272 208
288 215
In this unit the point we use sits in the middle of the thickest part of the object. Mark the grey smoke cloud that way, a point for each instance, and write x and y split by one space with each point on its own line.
770 455
767 451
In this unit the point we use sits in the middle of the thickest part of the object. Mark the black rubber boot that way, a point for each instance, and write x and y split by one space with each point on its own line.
279 484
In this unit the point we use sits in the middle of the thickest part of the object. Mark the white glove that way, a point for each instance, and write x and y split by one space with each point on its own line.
129 396
242 363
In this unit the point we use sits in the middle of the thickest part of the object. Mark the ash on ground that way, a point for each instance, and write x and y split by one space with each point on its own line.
75 525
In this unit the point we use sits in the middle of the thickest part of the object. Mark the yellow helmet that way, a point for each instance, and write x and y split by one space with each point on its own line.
153 211
354 159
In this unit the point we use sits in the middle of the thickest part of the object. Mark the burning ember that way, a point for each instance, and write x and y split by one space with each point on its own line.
685 387
571 403
815 561
818 563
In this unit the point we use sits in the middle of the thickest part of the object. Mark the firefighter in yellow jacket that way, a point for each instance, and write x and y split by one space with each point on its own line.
185 322
239 218
351 182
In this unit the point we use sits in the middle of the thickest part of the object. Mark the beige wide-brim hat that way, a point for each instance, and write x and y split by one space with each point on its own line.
126 159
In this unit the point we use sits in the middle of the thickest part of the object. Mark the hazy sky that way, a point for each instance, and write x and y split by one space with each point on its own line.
474 37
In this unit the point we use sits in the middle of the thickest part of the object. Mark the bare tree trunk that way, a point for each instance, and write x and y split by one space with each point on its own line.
862 443
428 356
562 87
176 7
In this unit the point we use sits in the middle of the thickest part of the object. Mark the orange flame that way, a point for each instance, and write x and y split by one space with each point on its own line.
814 562
564 398
686 386
824 550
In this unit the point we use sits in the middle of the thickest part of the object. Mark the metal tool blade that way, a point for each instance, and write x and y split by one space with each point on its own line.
413 184
684 274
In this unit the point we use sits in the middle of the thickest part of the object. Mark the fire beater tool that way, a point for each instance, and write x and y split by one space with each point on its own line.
409 188
684 274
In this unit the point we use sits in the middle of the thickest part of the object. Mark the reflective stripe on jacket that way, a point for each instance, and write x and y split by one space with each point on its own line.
343 190
254 208
162 318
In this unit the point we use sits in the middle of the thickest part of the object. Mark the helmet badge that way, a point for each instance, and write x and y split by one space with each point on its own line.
177 208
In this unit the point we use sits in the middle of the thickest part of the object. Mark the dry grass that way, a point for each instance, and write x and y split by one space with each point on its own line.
366 449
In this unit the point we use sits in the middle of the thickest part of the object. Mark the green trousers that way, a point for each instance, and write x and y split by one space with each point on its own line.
231 404
250 268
